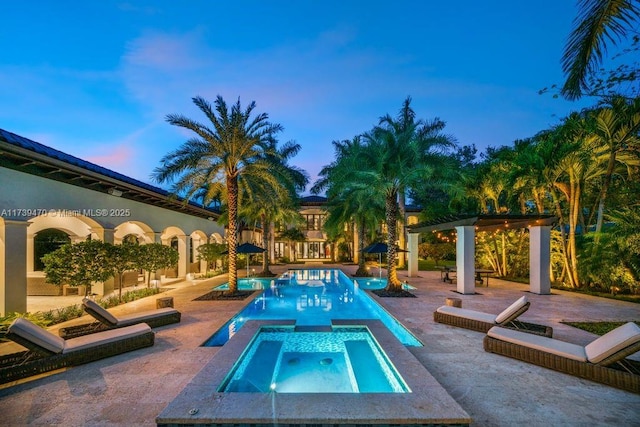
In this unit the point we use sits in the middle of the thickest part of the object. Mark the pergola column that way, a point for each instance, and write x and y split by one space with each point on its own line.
13 266
539 259
465 259
413 254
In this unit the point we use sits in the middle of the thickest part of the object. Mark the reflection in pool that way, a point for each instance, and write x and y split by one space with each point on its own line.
312 297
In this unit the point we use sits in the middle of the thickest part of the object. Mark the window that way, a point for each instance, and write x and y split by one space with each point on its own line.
314 221
47 241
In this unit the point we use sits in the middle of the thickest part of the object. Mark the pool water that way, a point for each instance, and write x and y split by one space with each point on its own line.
343 360
312 297
248 284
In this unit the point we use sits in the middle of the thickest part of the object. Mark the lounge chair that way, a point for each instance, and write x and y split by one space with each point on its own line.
482 322
603 360
106 320
48 352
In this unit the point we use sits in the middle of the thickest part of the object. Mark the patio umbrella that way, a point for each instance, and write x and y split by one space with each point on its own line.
248 249
379 248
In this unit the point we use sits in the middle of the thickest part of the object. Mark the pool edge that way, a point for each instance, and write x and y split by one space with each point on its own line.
200 403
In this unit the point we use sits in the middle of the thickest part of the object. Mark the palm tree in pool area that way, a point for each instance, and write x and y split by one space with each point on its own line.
401 152
270 201
232 145
350 198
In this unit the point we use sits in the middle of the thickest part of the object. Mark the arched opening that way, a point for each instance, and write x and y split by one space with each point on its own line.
47 241
131 239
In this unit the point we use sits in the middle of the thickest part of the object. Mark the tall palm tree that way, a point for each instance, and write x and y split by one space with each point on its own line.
598 22
402 152
409 130
234 144
268 201
618 135
350 199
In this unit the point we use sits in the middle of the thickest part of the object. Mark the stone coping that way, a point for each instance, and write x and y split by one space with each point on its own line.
428 403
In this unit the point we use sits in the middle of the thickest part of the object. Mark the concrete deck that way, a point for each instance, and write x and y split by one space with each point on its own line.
133 389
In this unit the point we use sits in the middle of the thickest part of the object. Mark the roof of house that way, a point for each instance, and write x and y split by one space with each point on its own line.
25 155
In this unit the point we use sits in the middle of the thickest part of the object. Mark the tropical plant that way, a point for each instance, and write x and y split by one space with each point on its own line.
275 200
218 157
598 23
78 264
401 152
350 200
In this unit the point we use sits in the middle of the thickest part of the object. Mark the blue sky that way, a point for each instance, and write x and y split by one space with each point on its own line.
96 78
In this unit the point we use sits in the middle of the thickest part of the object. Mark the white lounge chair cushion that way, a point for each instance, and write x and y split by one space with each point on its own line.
612 342
105 337
143 316
509 311
468 314
37 335
537 342
98 308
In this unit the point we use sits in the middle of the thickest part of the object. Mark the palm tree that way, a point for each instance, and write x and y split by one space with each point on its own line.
350 199
402 152
617 134
217 158
268 201
598 22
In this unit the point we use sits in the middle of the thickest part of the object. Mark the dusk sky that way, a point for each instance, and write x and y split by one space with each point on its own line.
96 79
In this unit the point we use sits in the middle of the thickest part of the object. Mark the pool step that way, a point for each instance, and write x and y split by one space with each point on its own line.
313 328
259 372
365 367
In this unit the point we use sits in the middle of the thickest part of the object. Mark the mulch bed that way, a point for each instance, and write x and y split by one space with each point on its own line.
224 296
396 294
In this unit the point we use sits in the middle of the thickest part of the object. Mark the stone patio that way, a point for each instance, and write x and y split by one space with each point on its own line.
133 389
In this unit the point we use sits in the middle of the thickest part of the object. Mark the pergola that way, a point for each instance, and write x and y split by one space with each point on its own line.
466 226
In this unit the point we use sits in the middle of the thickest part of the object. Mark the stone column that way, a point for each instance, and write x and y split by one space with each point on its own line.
465 259
413 254
183 251
539 259
13 266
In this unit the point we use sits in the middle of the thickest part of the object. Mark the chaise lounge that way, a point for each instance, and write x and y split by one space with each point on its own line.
482 322
603 360
106 320
48 352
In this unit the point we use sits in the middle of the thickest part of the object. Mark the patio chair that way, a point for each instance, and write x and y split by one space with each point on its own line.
482 322
106 320
48 352
602 360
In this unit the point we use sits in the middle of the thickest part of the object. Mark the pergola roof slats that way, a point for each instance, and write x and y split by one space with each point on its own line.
483 222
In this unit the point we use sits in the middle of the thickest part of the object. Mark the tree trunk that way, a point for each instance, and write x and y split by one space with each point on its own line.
603 193
232 238
266 238
362 267
391 205
401 234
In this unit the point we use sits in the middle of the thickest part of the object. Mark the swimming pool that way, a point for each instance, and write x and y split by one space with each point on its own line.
312 297
284 359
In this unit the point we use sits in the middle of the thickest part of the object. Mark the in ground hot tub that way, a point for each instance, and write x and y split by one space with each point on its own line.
343 359
272 373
